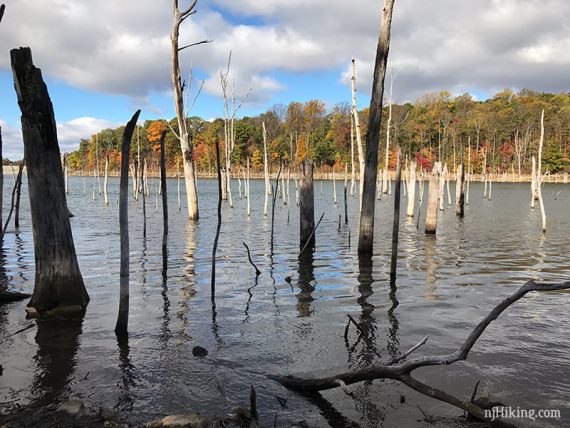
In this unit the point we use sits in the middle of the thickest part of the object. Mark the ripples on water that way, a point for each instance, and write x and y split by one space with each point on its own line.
445 285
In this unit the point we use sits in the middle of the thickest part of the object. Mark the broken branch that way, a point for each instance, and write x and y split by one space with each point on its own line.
257 271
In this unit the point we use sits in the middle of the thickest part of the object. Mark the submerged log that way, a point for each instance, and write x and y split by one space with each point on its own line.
58 280
121 328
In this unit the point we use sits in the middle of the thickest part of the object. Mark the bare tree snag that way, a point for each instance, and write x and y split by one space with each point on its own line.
352 155
106 180
411 189
248 209
396 223
306 205
58 280
121 328
539 173
18 195
257 271
265 170
402 372
2 9
17 184
366 235
219 225
164 193
356 120
433 197
460 189
183 134
273 204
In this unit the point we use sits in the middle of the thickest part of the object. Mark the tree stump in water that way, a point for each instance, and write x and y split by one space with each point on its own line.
58 280
307 205
433 197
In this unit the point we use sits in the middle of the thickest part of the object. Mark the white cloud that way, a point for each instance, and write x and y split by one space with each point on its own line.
69 134
122 47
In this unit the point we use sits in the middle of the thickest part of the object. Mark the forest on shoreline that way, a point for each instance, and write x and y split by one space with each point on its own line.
502 133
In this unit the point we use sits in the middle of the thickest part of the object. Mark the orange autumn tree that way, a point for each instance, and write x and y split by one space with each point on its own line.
154 131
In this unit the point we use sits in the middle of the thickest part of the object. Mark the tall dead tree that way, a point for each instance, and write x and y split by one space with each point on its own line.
433 197
396 223
366 235
121 328
163 192
58 280
539 173
183 134
460 189
356 121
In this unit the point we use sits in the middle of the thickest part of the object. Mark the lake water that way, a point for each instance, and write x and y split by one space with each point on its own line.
445 285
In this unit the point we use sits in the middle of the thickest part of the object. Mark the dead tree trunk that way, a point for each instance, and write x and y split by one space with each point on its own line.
18 195
144 194
58 280
163 192
460 189
106 181
433 196
121 328
539 173
411 189
366 235
183 134
306 205
356 119
265 170
396 224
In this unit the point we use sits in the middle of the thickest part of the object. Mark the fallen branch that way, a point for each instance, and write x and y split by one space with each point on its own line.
257 271
402 372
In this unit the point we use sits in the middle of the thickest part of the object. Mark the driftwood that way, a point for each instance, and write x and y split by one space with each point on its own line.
403 371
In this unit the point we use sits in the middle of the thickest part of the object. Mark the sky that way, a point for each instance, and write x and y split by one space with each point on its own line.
103 59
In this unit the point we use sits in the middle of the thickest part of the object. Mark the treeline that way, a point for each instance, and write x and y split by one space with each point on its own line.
502 132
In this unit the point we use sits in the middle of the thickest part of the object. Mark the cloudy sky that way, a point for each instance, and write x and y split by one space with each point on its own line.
102 59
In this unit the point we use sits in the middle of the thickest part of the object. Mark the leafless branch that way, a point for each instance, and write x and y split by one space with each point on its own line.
257 271
187 12
311 235
2 9
201 42
402 372
408 352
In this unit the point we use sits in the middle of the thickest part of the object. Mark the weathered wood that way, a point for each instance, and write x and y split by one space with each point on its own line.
411 189
121 327
144 194
18 197
366 235
433 197
306 205
16 185
163 191
356 120
219 225
460 188
396 223
539 173
265 170
106 181
183 134
248 209
402 372
58 280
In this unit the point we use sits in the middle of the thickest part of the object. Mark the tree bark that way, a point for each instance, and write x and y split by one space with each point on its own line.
433 196
356 119
58 280
460 189
307 205
396 223
183 135
265 170
163 192
366 235
411 189
539 173
106 180
121 328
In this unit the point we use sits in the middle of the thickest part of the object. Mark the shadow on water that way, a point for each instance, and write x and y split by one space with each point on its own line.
187 288
431 267
58 343
306 277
